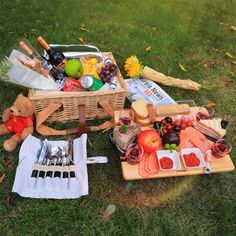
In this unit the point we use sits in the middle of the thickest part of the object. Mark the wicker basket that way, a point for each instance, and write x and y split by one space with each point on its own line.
71 100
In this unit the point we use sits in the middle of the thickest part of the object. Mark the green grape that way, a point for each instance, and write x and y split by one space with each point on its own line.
167 146
173 145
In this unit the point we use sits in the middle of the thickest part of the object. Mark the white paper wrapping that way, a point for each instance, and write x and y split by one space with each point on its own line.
56 188
22 75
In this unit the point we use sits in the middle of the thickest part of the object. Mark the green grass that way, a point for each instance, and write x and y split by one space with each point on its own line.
196 34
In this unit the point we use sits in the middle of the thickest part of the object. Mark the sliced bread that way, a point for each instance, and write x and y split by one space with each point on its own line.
140 109
143 122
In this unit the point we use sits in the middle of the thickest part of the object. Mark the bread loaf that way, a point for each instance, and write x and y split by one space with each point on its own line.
143 122
140 109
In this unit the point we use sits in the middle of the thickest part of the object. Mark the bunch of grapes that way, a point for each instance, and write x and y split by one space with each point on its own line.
107 72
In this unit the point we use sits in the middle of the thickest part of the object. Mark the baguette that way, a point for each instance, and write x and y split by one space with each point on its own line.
140 109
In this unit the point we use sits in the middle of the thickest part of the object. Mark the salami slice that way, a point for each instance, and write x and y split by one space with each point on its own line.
141 168
153 163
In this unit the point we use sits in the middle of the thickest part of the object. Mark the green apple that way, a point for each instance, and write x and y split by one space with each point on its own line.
74 68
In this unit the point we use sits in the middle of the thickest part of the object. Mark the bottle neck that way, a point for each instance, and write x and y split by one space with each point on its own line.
49 51
43 43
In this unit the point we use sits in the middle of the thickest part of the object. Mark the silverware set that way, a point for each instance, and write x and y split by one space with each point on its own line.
54 167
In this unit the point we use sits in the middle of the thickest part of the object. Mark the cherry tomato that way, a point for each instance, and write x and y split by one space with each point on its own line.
183 126
189 123
177 122
164 122
164 130
169 127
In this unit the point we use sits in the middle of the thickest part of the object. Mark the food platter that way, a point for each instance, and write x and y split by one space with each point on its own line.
218 165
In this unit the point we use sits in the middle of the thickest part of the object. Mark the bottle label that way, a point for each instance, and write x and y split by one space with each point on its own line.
62 64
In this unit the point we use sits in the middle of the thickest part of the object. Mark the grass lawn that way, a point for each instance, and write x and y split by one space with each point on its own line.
198 34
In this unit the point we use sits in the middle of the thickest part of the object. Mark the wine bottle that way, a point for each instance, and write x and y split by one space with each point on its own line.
56 58
57 74
35 56
41 64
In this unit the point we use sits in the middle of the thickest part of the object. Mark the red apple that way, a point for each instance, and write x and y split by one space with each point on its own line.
149 140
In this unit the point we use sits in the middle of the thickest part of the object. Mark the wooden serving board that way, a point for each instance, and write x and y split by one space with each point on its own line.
225 164
130 172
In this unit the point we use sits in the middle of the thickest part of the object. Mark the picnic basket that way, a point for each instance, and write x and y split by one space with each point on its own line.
71 100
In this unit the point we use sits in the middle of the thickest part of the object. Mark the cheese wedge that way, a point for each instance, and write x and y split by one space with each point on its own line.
211 128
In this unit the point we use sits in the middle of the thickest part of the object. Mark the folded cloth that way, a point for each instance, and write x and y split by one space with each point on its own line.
51 186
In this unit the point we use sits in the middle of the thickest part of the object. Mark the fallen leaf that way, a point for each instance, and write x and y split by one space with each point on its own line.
148 49
182 67
81 40
229 55
233 27
84 29
211 104
2 178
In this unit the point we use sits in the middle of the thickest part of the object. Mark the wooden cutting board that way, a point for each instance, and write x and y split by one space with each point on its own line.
130 172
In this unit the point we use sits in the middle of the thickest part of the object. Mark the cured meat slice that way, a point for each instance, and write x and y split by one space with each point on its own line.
153 163
184 139
141 168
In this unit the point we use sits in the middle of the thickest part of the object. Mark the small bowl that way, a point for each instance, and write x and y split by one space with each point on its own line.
198 153
172 155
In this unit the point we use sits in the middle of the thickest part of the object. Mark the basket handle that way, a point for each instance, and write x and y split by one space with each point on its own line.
74 54
42 116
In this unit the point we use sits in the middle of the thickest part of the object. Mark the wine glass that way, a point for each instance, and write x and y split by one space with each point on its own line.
134 154
205 113
221 148
126 117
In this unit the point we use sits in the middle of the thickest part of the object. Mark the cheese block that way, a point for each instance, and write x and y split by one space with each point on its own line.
214 125
140 109
211 128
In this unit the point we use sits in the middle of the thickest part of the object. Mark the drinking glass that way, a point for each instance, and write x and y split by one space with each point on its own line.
134 154
221 148
126 117
205 113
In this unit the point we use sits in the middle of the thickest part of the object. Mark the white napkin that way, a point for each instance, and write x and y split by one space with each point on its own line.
57 188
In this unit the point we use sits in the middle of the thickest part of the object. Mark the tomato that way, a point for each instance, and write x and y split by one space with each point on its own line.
169 127
164 122
177 122
189 123
183 126
164 130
